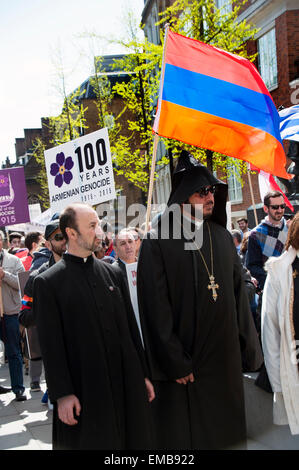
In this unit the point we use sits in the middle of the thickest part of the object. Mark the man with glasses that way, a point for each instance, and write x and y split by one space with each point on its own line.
195 316
268 238
56 244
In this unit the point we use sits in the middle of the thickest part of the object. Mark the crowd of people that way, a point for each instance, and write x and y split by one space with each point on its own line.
208 312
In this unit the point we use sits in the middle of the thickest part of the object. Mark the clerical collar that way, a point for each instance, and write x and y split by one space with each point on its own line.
77 259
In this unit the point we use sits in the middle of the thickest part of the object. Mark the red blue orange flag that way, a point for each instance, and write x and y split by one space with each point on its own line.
217 100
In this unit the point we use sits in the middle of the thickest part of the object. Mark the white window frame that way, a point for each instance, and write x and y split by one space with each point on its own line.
224 5
267 58
235 192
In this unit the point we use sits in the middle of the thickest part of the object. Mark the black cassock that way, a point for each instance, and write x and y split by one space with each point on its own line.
91 348
185 331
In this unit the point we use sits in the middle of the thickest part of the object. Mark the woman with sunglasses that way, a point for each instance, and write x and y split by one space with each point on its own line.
280 330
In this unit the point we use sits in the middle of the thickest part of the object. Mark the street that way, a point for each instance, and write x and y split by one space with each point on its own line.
24 425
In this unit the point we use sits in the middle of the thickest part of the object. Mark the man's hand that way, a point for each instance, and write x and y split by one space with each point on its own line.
150 390
66 406
185 380
2 274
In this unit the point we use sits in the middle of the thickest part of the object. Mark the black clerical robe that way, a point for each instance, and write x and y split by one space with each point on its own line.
186 331
91 348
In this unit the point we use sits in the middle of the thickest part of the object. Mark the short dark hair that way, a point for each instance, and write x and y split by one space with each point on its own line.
242 219
13 235
271 194
68 218
32 237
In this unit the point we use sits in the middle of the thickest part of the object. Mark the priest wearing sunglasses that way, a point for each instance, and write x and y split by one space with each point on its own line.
197 326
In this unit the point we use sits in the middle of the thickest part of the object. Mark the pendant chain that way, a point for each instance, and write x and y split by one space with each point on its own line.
212 286
211 251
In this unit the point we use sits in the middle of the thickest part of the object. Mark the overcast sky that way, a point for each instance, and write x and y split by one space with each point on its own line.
31 34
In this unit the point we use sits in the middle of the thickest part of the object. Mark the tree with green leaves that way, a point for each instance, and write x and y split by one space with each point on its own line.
198 19
68 125
202 20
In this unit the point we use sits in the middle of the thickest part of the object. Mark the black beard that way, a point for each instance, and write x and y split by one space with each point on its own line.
59 253
195 214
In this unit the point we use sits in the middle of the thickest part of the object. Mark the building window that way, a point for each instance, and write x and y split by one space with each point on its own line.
188 24
234 184
224 5
268 58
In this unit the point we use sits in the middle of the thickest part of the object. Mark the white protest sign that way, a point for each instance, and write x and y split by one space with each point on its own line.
132 281
80 171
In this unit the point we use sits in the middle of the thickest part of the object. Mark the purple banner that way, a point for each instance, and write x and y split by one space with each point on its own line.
13 197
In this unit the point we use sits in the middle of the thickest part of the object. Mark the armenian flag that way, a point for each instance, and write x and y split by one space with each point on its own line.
217 100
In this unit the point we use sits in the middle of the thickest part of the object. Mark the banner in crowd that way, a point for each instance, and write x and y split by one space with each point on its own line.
13 197
132 281
80 171
267 183
217 100
289 123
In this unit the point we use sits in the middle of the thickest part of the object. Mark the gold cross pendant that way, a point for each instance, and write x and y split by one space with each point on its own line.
213 286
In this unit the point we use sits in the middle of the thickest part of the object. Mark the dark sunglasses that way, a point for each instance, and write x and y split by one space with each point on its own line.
277 206
206 190
58 237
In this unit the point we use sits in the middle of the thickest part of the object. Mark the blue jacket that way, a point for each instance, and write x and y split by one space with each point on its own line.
264 241
40 257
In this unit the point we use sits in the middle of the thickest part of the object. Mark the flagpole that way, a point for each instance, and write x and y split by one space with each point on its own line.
252 197
151 183
1 302
156 138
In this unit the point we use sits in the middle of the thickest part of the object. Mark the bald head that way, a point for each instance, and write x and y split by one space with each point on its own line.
68 218
79 223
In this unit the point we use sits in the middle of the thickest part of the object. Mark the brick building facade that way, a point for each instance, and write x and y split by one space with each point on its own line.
277 44
24 146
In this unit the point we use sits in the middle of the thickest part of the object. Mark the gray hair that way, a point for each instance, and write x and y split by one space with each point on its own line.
125 231
236 234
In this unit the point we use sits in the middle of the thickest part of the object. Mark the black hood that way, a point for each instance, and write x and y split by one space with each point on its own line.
188 177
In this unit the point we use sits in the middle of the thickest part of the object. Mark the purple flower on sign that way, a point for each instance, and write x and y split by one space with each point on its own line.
3 181
61 169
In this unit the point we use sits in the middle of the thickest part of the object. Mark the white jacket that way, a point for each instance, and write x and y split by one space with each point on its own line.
279 341
11 297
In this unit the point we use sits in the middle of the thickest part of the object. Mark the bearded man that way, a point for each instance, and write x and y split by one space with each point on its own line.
90 343
196 322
